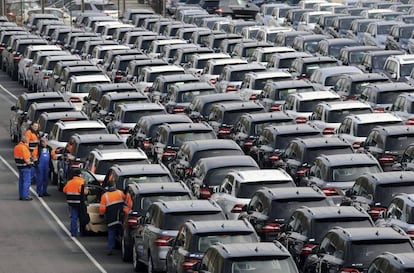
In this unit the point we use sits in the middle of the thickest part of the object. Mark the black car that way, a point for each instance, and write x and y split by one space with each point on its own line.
169 138
191 151
209 172
300 153
307 226
269 147
47 120
250 127
162 84
225 115
350 86
303 68
374 192
139 196
352 55
341 249
392 262
195 237
247 257
388 143
270 208
332 47
373 62
308 43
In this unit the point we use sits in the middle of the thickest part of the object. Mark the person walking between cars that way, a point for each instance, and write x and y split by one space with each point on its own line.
112 207
73 190
45 155
32 135
22 157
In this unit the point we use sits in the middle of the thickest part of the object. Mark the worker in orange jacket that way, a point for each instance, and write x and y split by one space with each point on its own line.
24 163
32 135
73 190
112 207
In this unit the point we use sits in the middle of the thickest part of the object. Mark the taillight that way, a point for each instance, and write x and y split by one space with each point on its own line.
218 11
178 109
328 131
411 234
303 78
376 211
147 89
75 100
169 153
162 241
37 71
301 120
271 227
204 193
188 264
348 270
330 191
45 77
387 159
16 59
27 65
237 208
356 145
301 171
188 171
410 121
379 109
133 221
76 165
308 248
352 97
253 97
231 88
275 108
275 156
118 77
146 144
213 81
123 130
224 131
249 143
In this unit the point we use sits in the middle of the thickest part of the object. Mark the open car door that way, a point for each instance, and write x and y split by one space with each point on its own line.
90 221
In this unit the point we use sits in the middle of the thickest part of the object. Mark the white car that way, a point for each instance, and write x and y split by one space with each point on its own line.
237 187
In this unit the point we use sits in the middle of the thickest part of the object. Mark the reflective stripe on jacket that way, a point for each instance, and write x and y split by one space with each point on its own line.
112 204
73 189
21 155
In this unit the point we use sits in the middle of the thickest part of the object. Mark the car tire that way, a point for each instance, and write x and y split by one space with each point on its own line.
127 251
138 266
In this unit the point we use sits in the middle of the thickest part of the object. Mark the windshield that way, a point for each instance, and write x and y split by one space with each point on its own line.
246 190
85 87
372 249
336 116
351 173
356 57
398 142
173 221
379 61
280 264
146 201
204 241
311 46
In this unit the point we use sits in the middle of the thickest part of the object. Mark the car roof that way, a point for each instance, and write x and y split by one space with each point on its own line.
81 124
292 128
364 76
322 141
395 130
334 212
227 161
389 177
186 126
375 117
34 96
219 226
120 154
251 250
404 59
115 86
349 159
291 192
316 95
94 138
235 105
248 176
64 116
50 105
339 105
166 118
219 96
290 83
140 106
228 61
130 169
267 116
209 144
159 187
195 86
187 206
370 233
391 86
405 260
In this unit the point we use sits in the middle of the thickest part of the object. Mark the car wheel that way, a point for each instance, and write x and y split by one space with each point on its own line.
126 250
138 266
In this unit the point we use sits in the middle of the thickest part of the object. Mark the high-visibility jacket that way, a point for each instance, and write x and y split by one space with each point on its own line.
33 139
73 190
22 155
112 205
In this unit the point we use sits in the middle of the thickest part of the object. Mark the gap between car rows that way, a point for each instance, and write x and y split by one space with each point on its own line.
48 209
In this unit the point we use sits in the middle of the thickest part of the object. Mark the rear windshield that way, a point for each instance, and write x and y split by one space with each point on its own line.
373 248
283 93
84 148
326 150
322 226
147 200
213 153
180 137
66 134
204 241
307 106
254 265
336 116
104 165
282 209
134 116
362 130
351 173
173 221
398 142
387 97
246 190
385 192
231 117
216 176
283 140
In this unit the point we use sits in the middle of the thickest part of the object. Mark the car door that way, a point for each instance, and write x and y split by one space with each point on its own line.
177 254
90 219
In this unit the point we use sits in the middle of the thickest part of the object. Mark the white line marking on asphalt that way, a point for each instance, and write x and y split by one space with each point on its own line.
8 92
54 216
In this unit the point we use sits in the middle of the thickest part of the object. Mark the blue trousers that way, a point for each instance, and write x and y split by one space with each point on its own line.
42 179
113 231
74 216
24 182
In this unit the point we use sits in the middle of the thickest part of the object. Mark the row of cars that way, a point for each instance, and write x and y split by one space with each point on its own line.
218 145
